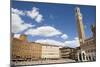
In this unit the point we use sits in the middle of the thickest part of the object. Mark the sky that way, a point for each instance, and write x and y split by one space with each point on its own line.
50 23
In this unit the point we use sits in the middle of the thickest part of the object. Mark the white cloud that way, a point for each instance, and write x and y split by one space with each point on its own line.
18 24
16 11
46 31
34 14
39 18
17 35
64 36
73 43
50 42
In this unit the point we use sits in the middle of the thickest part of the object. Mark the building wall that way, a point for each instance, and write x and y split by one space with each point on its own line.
36 50
19 49
25 50
90 49
68 53
50 52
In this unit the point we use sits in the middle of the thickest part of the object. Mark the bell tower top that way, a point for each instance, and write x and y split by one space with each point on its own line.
77 9
78 13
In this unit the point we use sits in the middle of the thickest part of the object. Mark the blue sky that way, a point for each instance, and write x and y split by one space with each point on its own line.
59 16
